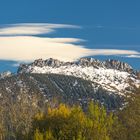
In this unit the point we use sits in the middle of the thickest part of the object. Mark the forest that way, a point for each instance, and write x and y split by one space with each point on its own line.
27 118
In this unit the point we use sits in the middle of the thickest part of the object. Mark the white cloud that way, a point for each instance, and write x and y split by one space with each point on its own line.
133 56
29 48
18 43
114 52
32 28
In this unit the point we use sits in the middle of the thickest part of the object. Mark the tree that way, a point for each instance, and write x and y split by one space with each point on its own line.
127 126
71 123
16 115
130 118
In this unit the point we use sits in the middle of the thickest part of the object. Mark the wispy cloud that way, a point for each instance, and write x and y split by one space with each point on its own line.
114 52
133 56
32 28
18 43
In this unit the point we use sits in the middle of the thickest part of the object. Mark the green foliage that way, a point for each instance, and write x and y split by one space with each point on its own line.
127 126
130 117
71 123
38 135
101 123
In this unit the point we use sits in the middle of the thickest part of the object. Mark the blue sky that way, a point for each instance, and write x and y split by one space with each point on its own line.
105 24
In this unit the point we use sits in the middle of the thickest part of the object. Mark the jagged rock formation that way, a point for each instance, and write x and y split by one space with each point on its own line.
108 64
114 76
115 64
85 62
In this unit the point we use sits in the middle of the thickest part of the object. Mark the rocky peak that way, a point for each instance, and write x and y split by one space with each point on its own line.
84 62
53 62
48 62
109 64
118 65
22 68
38 63
90 62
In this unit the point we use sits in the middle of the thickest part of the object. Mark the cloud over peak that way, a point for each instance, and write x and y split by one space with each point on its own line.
18 43
29 48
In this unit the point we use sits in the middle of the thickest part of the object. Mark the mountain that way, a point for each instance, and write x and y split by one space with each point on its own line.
79 82
114 76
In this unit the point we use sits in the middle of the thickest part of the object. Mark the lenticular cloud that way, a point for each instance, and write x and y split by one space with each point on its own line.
18 43
32 28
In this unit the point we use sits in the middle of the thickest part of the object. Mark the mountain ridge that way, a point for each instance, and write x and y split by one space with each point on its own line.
108 82
110 63
115 76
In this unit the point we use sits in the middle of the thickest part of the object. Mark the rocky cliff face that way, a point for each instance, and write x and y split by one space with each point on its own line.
115 64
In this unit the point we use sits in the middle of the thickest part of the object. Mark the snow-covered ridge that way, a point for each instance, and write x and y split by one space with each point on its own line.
5 74
108 64
114 76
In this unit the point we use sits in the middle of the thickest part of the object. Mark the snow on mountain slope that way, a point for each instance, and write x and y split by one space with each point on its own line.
114 76
5 74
